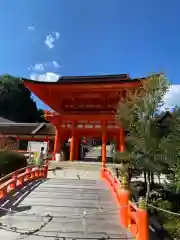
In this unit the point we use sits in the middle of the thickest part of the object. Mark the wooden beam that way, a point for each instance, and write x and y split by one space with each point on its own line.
94 87
74 117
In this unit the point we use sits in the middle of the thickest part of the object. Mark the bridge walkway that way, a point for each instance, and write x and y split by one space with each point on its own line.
54 209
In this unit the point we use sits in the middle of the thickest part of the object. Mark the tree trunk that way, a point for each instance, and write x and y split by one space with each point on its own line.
159 178
117 173
148 186
145 179
129 174
152 178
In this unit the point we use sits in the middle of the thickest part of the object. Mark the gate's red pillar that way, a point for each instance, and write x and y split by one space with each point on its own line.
57 142
122 139
72 144
103 145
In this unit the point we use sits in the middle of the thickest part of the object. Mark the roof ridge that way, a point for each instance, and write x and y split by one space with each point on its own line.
92 79
38 128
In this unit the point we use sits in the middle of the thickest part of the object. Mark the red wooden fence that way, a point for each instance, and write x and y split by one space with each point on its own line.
18 178
134 218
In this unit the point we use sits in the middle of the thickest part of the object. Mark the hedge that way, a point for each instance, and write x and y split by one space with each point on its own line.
10 162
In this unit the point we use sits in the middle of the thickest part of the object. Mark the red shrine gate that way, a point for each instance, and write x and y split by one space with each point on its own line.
84 106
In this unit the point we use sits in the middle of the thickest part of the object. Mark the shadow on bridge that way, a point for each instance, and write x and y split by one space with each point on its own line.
13 199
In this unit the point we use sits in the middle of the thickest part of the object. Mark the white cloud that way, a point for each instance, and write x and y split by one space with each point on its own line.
56 34
56 64
40 67
51 38
37 67
31 28
172 97
47 77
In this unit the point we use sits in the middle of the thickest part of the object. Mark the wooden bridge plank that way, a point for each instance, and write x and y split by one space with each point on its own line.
66 200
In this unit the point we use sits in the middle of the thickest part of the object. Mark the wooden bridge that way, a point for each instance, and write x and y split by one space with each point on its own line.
66 207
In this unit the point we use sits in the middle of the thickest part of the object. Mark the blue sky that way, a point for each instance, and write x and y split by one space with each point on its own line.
84 37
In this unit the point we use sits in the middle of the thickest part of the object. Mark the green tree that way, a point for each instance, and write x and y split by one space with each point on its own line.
151 151
174 137
16 103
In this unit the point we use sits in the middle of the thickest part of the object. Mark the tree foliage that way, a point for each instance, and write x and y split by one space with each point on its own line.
136 113
153 144
16 103
174 137
152 150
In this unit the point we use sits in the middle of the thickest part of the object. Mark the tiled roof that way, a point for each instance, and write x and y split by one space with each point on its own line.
92 79
27 128
4 120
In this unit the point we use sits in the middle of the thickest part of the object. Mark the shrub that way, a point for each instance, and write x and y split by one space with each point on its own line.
10 162
170 222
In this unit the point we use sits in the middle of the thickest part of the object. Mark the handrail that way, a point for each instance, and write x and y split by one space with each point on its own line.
15 172
134 218
20 151
18 178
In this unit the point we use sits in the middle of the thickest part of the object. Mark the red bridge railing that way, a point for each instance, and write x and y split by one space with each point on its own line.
132 217
18 178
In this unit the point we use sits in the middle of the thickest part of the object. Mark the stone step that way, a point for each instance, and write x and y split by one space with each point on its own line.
74 165
77 165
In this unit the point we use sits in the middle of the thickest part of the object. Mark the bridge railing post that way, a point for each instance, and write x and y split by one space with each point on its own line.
3 192
20 180
45 171
37 172
12 185
143 223
32 174
28 175
134 218
124 196
102 171
41 172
